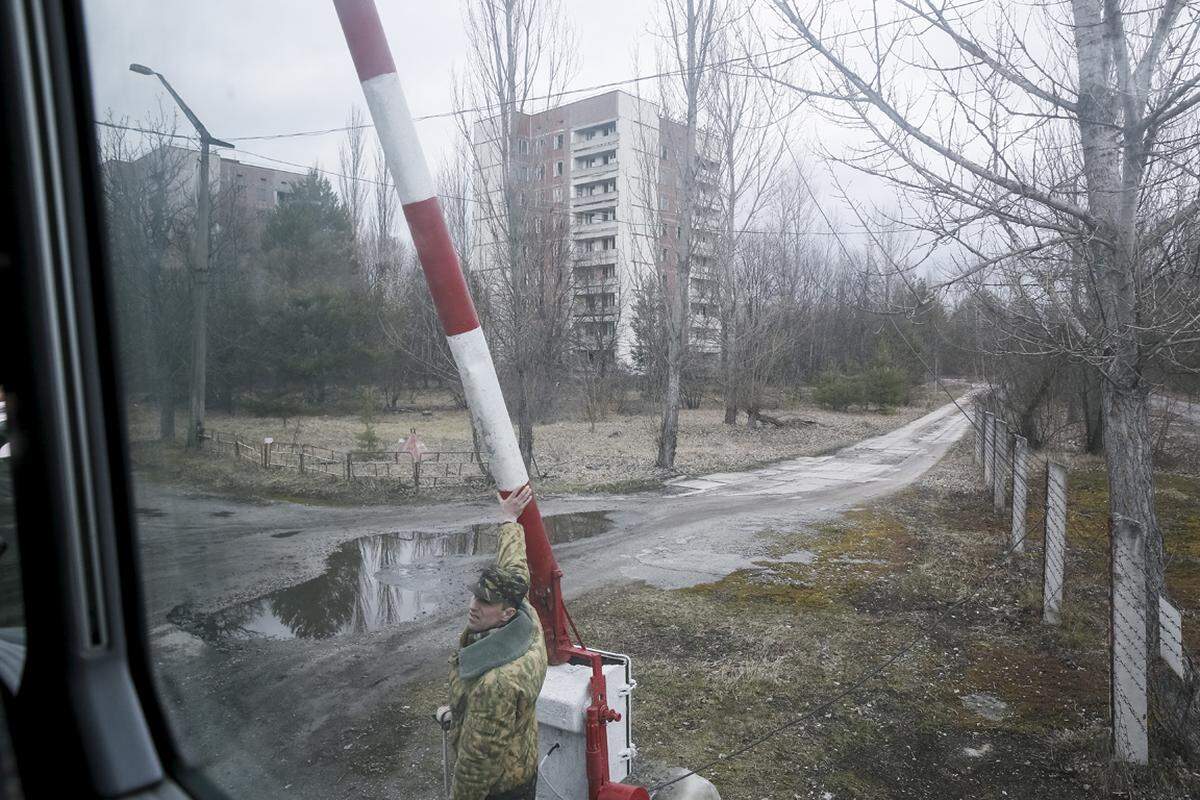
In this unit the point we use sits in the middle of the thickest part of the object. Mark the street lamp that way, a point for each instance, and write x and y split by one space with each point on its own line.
195 427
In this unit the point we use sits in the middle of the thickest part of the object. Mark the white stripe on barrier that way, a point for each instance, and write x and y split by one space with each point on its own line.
486 402
398 135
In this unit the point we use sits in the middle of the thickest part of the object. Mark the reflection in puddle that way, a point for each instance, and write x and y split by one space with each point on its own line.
370 583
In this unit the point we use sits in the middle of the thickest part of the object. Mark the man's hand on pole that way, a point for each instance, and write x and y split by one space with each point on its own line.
512 506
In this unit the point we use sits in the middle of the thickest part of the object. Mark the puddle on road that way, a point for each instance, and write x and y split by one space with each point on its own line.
285 534
369 583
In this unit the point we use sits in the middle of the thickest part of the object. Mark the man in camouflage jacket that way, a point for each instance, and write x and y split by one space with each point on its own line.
496 676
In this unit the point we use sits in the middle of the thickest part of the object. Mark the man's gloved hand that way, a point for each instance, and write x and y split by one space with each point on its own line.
443 717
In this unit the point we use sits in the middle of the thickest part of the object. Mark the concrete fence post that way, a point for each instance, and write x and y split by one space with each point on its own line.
1127 635
977 426
989 439
301 461
1001 467
1054 550
1020 493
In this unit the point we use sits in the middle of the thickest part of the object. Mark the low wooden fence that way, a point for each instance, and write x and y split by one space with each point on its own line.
432 469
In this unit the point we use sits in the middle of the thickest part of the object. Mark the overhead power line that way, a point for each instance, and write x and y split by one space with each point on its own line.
747 58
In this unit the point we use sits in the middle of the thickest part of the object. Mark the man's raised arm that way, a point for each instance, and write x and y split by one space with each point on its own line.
510 546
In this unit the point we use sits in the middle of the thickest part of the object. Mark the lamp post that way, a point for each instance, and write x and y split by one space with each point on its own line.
195 426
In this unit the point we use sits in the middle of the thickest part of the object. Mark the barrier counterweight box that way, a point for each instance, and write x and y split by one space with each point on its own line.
562 715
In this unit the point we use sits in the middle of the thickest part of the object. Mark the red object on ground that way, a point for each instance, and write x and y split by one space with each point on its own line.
456 311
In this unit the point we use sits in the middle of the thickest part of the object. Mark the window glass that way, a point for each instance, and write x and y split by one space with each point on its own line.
12 614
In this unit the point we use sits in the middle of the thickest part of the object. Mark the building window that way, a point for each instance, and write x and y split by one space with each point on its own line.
663 152
558 192
558 141
663 205
558 169
523 146
541 173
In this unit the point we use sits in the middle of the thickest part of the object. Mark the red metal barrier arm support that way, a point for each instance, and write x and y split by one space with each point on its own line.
456 311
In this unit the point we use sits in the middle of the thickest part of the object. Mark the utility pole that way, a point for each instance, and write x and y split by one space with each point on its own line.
195 428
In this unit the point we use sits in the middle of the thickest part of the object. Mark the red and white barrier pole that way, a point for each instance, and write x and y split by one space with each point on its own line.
444 276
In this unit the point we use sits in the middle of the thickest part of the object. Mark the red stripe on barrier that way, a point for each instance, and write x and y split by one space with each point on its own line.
364 35
440 264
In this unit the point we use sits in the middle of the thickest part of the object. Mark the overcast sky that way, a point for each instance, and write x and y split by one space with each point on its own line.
272 66
279 66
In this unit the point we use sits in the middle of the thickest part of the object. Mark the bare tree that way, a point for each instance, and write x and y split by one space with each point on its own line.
150 205
518 50
691 31
352 184
1055 146
748 127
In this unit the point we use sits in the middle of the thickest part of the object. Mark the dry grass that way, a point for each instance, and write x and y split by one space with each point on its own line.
616 454
722 663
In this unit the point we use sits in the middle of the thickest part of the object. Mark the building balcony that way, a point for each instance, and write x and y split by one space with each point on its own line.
591 230
596 313
590 201
581 174
596 285
597 144
594 258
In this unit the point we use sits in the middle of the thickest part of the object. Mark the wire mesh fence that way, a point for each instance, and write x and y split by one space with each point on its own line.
1020 494
1143 625
1002 468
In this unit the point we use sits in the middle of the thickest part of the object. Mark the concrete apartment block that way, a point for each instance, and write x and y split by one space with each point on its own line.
607 168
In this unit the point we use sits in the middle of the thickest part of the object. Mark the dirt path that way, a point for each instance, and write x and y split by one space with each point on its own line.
313 696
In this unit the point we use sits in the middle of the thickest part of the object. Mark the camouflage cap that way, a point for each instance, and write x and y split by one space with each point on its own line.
499 585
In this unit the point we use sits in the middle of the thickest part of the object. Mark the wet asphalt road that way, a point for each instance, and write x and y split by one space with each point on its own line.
208 553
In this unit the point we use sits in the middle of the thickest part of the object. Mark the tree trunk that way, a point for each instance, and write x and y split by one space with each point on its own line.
524 423
727 372
166 408
669 432
1093 413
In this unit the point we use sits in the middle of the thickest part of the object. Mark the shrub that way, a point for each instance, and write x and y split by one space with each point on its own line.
884 386
366 439
838 392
